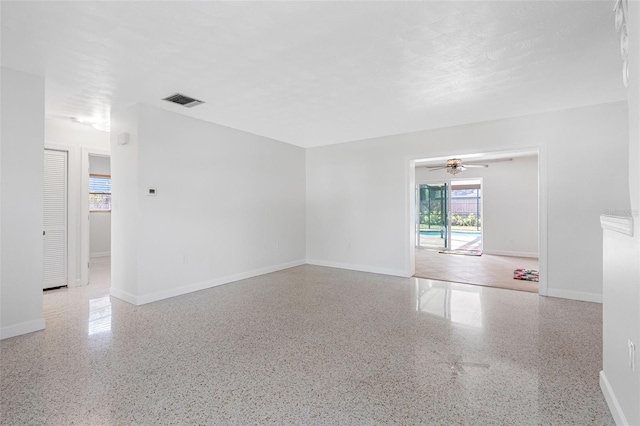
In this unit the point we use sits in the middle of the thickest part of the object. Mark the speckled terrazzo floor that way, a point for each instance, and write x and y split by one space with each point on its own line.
309 345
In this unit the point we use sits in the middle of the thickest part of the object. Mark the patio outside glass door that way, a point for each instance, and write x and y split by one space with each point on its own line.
465 215
432 218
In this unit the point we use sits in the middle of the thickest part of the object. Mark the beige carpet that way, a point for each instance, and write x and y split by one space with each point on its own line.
487 270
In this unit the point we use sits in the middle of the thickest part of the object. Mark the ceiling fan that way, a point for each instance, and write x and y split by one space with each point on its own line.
455 166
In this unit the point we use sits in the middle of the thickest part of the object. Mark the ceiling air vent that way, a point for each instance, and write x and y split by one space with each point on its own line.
183 100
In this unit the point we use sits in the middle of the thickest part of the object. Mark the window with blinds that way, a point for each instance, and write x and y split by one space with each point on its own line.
99 193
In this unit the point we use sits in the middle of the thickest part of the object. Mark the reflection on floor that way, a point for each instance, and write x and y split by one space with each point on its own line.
309 345
487 270
100 271
63 303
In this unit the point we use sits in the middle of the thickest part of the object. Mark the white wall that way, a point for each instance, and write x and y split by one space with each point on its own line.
621 304
231 202
358 205
99 165
100 234
125 194
21 198
100 222
69 133
510 204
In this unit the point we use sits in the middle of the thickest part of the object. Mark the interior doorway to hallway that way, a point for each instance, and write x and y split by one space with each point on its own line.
99 209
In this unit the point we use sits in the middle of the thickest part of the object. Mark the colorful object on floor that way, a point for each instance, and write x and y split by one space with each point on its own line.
463 252
526 275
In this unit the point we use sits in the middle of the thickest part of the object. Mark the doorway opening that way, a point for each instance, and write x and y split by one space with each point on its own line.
99 214
484 228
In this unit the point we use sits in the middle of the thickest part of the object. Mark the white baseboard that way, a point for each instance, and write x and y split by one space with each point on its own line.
612 401
22 328
190 288
361 268
123 295
511 253
575 295
103 254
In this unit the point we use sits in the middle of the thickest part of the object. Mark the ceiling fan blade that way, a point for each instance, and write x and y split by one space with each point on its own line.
433 169
475 165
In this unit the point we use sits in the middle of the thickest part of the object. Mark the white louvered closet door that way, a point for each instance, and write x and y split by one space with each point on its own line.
55 218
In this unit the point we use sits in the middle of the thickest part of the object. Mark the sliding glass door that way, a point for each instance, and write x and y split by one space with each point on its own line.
449 215
465 215
432 221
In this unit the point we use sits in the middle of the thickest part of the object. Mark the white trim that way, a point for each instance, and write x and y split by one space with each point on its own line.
623 225
612 401
361 268
410 175
575 295
102 254
190 288
543 252
22 328
510 253
123 295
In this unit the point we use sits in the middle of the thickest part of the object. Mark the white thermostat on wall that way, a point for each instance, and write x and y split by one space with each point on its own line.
151 191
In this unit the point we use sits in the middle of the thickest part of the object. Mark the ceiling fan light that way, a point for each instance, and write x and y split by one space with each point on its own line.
454 166
454 162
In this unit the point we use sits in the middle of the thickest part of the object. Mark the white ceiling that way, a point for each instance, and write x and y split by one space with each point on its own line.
315 73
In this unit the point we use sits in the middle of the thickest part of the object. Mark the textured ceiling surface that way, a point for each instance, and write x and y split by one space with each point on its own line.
315 73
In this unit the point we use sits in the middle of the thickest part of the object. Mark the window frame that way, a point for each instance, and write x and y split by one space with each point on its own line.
97 175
